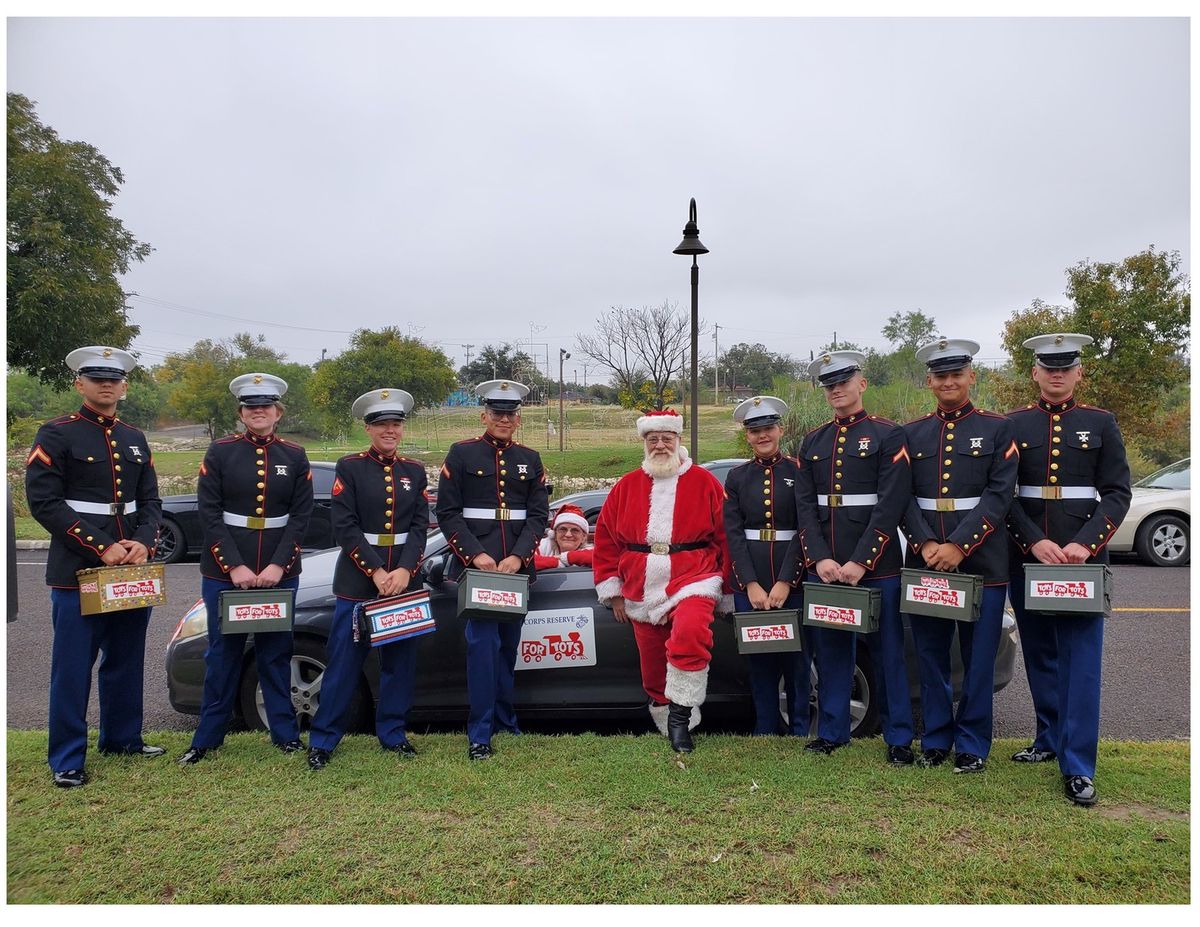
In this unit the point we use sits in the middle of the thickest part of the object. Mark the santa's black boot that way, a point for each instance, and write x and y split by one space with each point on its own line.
678 719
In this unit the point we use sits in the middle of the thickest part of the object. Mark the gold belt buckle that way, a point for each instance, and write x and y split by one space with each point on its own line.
660 548
503 515
387 540
945 505
1051 492
255 522
766 534
835 500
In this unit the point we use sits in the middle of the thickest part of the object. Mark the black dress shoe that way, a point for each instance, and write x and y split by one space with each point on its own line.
678 719
900 756
1080 789
317 759
292 746
70 778
934 756
821 745
144 750
194 755
1032 754
479 751
967 763
404 749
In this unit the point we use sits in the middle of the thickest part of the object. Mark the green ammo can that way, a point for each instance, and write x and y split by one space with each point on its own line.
493 596
1071 587
957 596
771 631
845 608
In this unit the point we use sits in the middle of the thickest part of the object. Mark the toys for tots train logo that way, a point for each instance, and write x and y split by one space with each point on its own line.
552 639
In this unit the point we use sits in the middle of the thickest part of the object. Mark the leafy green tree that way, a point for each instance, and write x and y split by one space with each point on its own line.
28 397
1139 312
497 362
909 330
752 365
66 250
196 383
376 359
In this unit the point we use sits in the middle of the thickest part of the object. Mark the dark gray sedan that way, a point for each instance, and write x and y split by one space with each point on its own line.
575 661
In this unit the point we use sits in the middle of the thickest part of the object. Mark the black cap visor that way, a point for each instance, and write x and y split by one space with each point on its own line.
835 377
102 373
261 400
1061 361
386 415
503 405
948 364
762 421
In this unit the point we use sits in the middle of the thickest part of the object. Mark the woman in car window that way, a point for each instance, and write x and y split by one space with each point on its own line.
565 543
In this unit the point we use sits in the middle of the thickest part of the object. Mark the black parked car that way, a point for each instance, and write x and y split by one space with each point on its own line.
182 537
576 661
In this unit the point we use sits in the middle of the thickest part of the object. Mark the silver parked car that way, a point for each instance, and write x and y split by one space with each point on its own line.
1159 524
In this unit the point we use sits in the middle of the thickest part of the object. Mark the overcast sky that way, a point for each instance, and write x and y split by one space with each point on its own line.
462 179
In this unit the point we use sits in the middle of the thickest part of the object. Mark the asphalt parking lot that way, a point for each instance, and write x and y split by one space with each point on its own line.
1147 673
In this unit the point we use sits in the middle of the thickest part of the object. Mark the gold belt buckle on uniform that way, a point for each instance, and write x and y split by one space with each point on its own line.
658 547
766 534
835 499
503 515
1051 492
386 540
255 522
945 505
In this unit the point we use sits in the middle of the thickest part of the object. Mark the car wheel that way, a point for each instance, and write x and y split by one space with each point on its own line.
864 708
171 543
1164 540
308 673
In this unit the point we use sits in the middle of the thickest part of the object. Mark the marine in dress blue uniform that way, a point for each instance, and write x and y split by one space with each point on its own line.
854 488
760 529
492 506
380 520
91 484
255 498
1072 493
964 469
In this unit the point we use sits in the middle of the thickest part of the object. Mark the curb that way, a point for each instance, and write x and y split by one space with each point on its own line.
33 545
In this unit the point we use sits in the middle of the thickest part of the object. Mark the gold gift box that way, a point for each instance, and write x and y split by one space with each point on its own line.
115 588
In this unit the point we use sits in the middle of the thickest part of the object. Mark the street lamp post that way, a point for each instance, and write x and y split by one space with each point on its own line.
691 245
562 356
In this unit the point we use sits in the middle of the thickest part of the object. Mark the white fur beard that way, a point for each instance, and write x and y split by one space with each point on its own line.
662 467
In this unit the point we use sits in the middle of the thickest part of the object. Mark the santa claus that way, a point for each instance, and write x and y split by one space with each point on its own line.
660 560
565 543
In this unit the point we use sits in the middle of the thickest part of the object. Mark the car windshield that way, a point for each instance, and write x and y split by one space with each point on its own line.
1177 476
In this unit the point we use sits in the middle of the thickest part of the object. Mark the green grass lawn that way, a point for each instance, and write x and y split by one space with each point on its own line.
589 819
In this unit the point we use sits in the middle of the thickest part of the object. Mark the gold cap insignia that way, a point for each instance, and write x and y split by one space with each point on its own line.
258 378
827 359
757 401
108 352
943 344
383 394
504 385
1058 340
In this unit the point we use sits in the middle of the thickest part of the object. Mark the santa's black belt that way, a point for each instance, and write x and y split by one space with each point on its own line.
667 548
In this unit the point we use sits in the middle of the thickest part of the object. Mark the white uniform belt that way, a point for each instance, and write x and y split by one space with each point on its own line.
495 514
769 534
253 521
1058 492
386 540
948 505
102 508
837 500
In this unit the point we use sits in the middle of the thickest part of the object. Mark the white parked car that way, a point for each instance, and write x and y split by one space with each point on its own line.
1159 524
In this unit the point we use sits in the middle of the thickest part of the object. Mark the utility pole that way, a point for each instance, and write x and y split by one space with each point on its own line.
467 348
716 366
562 425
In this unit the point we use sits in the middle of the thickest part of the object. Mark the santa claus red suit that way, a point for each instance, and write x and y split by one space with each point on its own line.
660 546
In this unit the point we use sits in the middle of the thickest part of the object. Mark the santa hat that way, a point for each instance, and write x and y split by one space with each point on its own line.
661 420
571 515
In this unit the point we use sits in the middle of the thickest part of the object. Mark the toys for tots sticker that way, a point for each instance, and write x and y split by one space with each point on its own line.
556 639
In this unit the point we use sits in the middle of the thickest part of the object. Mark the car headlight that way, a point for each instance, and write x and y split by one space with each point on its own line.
194 622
